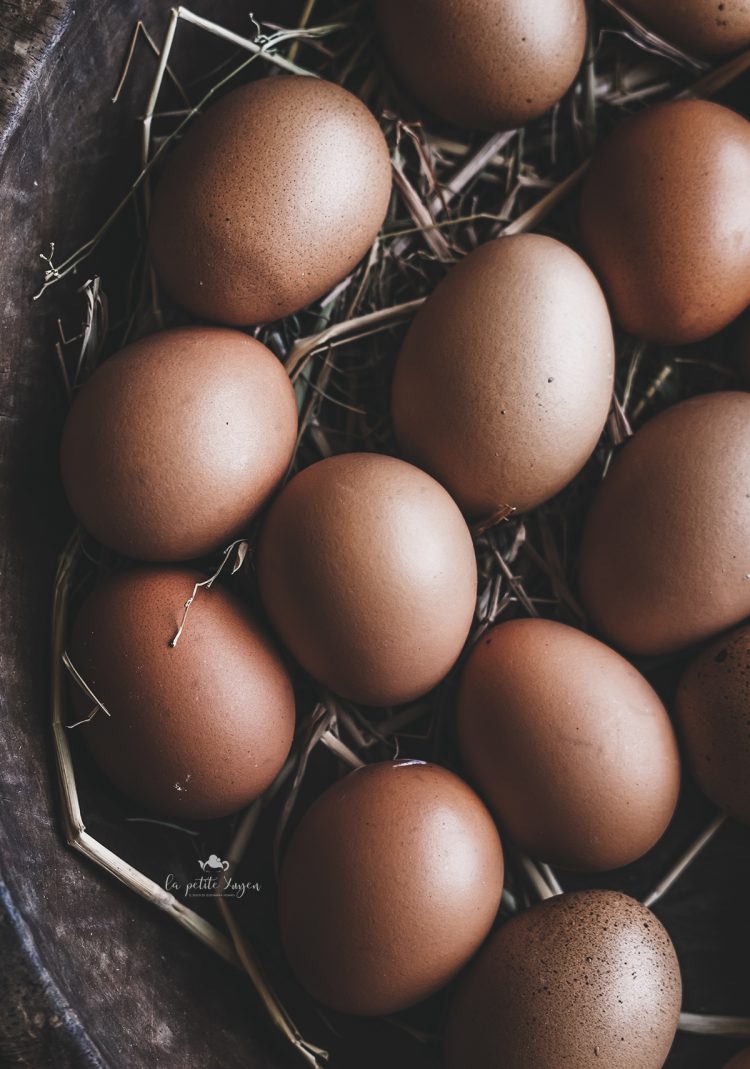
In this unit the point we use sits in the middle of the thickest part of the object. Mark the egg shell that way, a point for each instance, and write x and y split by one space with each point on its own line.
485 66
701 28
271 198
665 554
568 744
367 572
584 980
713 708
504 381
740 1061
665 220
174 443
196 731
390 883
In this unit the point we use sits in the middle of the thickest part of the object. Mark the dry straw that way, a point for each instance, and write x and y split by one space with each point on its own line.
450 196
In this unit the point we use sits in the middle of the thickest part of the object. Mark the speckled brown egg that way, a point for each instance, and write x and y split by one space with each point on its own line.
174 443
665 556
701 27
740 1061
665 220
582 981
196 730
713 708
367 572
390 883
504 381
568 744
272 197
485 66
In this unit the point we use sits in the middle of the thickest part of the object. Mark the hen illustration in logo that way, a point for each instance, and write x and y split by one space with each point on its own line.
216 881
214 864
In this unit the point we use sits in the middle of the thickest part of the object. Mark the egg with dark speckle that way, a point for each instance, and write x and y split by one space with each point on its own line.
585 980
713 709
701 27
504 380
198 729
389 885
485 66
665 220
271 198
174 443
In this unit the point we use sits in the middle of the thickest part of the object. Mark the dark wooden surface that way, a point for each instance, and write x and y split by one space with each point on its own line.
89 974
30 31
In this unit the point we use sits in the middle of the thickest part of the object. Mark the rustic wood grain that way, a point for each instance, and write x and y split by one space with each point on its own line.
29 33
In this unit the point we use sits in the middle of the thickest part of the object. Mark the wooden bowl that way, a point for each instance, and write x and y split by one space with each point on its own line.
91 975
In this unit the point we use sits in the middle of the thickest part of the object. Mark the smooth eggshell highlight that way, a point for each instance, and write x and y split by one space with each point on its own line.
568 744
174 443
196 731
665 555
390 883
485 66
271 198
504 381
367 572
665 220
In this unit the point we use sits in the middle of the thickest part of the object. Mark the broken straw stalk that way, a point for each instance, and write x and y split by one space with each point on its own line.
235 951
75 829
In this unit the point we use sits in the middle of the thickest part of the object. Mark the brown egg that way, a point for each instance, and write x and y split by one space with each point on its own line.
700 27
713 708
740 1061
568 744
485 66
367 571
504 381
665 556
174 443
272 197
665 218
197 730
391 882
587 980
